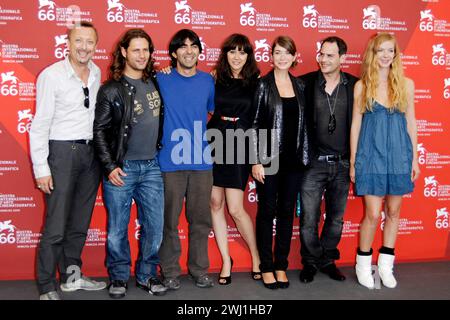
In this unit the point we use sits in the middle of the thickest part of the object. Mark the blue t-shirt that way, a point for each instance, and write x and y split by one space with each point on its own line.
187 101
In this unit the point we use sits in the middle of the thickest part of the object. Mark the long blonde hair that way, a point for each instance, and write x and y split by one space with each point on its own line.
396 80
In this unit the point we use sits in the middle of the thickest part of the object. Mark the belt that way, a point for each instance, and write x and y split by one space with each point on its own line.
80 141
229 118
332 158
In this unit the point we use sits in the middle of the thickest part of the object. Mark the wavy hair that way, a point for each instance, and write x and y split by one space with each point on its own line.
249 72
118 60
370 76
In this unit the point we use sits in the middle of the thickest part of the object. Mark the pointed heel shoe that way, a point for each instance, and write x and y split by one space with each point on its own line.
224 281
282 284
271 285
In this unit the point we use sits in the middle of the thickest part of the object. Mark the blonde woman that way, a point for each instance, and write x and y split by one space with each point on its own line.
383 159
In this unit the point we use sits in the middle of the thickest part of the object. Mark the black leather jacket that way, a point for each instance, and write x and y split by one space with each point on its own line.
112 124
269 115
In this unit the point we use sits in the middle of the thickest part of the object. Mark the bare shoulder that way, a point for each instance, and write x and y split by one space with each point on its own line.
358 87
409 84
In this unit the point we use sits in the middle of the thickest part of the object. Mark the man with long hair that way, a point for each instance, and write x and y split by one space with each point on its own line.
127 135
64 163
186 159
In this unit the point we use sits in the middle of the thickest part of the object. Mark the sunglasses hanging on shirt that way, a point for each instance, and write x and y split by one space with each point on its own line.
86 97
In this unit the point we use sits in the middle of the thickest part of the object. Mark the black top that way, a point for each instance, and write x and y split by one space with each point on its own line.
232 100
311 81
288 158
269 115
336 143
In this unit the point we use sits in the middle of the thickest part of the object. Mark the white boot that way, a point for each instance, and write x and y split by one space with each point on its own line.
364 271
385 268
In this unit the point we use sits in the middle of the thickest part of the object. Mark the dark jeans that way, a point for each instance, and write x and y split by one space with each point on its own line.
76 177
196 187
144 184
276 199
331 178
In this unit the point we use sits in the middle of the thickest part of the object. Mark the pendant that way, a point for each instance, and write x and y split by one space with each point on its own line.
331 124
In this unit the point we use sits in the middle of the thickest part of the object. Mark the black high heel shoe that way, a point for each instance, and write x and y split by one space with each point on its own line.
256 275
271 285
223 281
283 284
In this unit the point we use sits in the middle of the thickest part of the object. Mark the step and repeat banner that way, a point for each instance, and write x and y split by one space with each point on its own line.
33 36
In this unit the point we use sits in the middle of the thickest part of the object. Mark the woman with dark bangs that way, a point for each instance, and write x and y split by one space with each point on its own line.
236 75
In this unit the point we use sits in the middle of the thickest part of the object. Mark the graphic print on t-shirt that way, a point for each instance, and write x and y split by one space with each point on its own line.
154 102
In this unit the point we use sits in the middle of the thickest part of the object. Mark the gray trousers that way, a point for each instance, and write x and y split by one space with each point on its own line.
76 177
196 187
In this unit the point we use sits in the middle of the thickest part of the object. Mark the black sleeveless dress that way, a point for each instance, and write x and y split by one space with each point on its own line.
232 100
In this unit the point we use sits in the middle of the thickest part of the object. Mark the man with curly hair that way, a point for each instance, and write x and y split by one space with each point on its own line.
127 134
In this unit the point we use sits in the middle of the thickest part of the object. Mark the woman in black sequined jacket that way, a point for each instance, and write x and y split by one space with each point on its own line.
280 146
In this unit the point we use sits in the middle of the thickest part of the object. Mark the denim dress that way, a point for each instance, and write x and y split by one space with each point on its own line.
384 156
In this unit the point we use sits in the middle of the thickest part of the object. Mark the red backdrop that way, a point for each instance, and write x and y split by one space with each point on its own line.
32 37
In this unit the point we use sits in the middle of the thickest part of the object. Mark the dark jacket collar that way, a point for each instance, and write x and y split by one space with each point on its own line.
322 81
271 77
127 84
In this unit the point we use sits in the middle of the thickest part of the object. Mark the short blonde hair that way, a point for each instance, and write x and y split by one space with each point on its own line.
82 24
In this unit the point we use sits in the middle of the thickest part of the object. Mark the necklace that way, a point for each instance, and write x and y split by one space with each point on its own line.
332 119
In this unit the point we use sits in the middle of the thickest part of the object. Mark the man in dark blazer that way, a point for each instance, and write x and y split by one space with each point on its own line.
329 104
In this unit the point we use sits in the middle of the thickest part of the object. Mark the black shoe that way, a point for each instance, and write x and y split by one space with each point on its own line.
118 289
223 281
153 286
333 272
271 285
307 274
282 284
172 283
256 275
203 281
